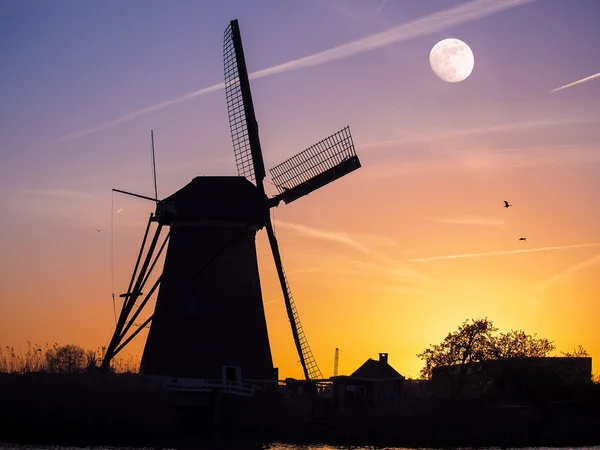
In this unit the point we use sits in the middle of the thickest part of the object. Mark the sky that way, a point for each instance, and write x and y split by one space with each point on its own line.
391 257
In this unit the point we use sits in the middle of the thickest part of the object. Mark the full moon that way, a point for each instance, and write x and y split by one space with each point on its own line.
451 60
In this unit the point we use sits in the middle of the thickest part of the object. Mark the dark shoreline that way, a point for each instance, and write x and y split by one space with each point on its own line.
130 410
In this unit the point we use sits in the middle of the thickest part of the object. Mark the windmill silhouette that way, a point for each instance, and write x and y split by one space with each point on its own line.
209 320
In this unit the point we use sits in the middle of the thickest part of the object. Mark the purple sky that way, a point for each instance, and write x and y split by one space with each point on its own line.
69 66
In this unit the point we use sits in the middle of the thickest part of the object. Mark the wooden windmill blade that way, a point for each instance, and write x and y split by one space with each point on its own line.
313 168
242 121
249 161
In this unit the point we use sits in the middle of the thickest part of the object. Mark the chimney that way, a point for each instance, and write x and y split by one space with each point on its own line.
383 357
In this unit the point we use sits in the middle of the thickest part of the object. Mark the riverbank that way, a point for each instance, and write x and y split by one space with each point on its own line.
130 410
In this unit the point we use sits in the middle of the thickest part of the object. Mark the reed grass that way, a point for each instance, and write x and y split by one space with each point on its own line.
57 358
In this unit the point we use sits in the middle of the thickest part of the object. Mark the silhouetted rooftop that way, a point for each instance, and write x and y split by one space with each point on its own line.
219 198
376 369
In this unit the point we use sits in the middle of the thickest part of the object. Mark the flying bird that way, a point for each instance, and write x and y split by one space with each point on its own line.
98 230
506 204
522 239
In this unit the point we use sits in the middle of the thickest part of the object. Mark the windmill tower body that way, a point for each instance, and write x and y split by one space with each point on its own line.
211 315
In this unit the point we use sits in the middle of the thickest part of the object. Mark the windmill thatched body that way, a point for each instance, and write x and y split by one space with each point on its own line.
211 315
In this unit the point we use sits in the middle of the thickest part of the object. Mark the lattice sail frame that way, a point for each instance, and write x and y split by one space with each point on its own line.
318 165
242 120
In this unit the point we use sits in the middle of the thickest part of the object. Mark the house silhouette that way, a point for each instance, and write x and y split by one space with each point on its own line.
375 381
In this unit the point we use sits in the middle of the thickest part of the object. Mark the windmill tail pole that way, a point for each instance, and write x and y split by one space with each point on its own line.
125 307
132 295
286 295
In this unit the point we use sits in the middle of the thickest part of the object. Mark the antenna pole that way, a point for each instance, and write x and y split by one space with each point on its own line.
153 165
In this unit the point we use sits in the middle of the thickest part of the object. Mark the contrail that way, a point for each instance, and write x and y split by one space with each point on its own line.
560 276
334 236
510 126
391 264
575 83
143 111
431 23
507 252
381 7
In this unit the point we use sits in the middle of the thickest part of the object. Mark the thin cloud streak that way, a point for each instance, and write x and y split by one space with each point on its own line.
271 301
358 242
332 236
388 264
381 7
507 252
431 23
141 112
488 159
558 278
575 83
512 126
470 220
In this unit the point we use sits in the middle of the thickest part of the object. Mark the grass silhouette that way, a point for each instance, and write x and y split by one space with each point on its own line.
61 359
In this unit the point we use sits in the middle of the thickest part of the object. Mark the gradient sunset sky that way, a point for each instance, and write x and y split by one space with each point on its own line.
387 259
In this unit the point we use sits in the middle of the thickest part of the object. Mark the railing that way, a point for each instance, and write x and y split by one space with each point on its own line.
245 388
203 385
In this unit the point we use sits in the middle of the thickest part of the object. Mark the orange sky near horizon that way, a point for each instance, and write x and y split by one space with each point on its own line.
391 257
355 272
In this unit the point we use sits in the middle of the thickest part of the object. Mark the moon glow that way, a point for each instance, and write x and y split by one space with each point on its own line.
451 60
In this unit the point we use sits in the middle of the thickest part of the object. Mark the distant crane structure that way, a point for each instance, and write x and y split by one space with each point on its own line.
208 321
336 361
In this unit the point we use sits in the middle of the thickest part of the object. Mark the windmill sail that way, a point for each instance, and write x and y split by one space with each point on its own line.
318 165
308 361
249 161
242 121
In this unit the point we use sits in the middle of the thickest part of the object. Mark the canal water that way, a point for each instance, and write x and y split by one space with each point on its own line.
271 446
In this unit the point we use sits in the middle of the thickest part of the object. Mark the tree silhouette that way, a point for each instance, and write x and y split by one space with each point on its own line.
66 359
476 342
471 343
579 352
518 344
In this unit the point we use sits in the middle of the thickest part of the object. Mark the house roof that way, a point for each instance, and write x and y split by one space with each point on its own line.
373 369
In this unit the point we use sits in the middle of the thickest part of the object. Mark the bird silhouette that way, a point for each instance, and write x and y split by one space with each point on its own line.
506 204
522 239
98 230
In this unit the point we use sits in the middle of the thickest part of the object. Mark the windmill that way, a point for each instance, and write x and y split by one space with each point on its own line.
209 320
